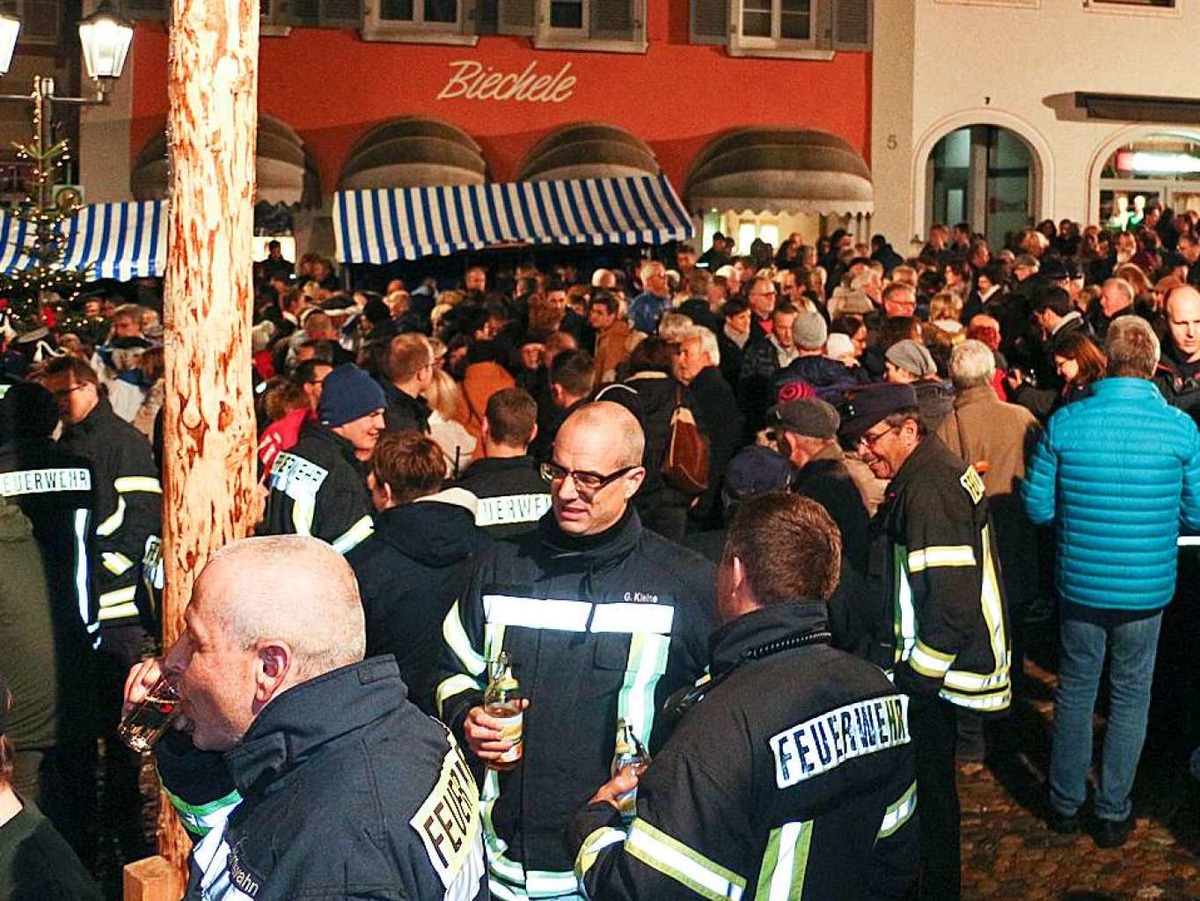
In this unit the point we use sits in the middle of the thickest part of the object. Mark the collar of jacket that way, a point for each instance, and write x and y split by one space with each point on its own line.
910 469
321 432
589 552
976 394
102 412
295 725
1170 361
764 626
1125 386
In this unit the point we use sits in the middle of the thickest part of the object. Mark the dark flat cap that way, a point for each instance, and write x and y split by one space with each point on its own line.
866 406
811 417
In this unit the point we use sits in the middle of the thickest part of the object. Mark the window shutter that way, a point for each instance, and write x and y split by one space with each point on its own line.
515 17
340 14
852 21
41 21
613 20
710 21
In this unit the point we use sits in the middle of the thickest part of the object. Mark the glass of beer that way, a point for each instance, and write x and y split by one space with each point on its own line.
149 719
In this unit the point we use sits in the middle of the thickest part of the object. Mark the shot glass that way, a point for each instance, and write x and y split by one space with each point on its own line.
149 719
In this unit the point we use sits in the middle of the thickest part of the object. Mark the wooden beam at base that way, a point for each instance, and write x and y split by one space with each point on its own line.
153 879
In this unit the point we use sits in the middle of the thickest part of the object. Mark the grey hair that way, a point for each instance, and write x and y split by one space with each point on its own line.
707 340
972 364
1132 348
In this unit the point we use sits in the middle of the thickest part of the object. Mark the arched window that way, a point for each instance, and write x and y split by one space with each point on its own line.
1159 167
982 175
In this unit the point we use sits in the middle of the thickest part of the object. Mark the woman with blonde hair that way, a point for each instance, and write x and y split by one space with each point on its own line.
447 409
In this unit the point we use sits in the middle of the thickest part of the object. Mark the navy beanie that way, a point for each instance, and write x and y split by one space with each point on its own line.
348 394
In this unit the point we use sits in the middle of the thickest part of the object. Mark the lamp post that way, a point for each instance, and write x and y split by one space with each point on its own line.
105 38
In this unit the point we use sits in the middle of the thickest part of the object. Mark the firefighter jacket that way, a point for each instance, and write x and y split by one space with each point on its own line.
791 778
319 488
946 628
512 494
128 508
341 788
598 628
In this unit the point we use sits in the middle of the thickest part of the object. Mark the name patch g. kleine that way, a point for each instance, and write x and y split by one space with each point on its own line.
818 745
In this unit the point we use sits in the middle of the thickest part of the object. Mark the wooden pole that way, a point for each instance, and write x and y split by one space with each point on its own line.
208 413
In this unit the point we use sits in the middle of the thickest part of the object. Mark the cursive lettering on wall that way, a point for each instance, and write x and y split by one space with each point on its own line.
472 80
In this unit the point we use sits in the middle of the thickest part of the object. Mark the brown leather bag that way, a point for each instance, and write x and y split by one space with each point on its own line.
685 466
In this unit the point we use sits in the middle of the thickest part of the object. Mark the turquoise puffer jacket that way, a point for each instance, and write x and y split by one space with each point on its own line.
1116 473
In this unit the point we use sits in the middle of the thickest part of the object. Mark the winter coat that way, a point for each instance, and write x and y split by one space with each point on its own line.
1116 472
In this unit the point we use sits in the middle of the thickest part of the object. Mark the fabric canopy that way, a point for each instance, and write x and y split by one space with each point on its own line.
383 225
111 240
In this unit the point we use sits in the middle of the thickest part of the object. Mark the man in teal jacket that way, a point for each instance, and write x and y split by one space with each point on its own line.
1110 473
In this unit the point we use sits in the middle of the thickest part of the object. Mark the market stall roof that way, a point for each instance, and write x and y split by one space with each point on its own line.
588 150
383 225
413 152
112 240
780 170
284 170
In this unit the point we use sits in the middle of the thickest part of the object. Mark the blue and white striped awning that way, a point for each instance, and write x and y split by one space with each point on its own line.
386 224
112 240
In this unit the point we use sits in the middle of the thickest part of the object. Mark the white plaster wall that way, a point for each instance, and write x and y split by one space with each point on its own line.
1017 64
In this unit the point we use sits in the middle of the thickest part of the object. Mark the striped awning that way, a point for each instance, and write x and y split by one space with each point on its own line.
111 240
383 225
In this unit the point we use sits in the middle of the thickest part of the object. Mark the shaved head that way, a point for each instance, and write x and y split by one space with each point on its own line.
615 421
289 587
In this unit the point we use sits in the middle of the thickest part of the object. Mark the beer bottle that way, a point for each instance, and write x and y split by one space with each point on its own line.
502 700
629 752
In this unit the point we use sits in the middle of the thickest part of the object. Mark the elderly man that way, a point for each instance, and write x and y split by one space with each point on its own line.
1116 299
319 487
709 396
648 307
945 632
342 787
1113 582
899 299
602 621
772 787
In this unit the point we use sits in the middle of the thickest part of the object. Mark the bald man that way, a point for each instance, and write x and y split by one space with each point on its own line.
1179 366
602 619
302 769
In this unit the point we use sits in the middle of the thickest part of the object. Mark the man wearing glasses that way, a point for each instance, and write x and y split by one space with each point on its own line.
602 620
945 634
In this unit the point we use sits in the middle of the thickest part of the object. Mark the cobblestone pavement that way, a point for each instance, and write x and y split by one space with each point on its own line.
1009 852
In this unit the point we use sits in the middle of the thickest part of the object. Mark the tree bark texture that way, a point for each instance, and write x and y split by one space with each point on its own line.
209 427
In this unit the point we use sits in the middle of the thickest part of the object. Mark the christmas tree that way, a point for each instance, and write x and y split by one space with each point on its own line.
40 290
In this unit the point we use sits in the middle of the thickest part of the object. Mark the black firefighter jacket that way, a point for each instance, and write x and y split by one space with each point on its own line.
319 488
128 505
792 778
597 627
341 789
945 629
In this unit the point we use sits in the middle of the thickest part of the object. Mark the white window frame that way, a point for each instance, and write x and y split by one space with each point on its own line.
548 38
816 46
417 30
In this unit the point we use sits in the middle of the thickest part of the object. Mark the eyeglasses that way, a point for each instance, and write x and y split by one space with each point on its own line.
868 440
64 393
586 483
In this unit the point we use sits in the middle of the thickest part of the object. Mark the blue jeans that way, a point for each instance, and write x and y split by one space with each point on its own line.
1131 638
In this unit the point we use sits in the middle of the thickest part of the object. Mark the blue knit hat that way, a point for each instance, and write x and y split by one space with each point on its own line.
348 394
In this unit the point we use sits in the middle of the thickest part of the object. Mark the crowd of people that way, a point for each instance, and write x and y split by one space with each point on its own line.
785 516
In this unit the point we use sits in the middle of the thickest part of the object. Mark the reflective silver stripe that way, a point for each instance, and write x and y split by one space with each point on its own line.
785 862
511 508
455 685
458 641
929 662
537 613
906 622
647 662
685 865
303 511
120 611
899 813
110 525
604 837
986 702
137 483
633 618
83 594
116 562
550 883
117 596
941 555
354 536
